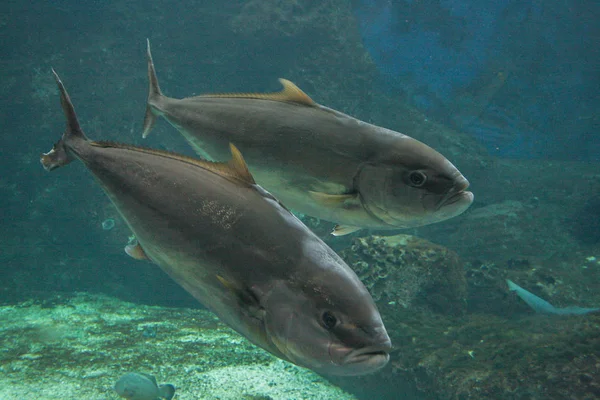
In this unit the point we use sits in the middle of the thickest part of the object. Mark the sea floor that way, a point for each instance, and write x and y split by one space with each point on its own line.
76 347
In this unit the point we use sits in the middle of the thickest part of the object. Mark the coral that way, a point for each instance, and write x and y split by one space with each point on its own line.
410 272
487 357
499 348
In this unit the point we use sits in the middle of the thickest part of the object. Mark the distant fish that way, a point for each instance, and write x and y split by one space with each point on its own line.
140 386
319 161
542 306
237 250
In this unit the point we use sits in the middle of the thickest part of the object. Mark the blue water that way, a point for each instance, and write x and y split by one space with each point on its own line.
520 76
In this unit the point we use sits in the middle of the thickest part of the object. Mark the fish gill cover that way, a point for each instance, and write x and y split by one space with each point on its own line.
521 76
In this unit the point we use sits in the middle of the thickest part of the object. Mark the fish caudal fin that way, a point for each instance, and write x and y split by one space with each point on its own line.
154 94
167 391
60 155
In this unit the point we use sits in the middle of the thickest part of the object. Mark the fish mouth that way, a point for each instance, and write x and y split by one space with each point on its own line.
368 359
462 197
458 194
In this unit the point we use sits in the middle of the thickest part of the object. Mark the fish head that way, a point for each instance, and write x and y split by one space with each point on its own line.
328 333
413 185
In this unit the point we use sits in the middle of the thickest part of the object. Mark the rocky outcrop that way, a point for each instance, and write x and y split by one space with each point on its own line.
409 272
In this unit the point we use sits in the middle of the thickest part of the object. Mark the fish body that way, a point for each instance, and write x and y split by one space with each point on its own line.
319 161
541 306
140 386
237 250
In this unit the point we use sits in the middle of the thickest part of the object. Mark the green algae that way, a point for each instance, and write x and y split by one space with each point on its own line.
78 347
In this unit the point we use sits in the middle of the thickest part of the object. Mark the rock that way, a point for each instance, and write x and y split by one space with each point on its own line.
192 350
525 209
479 351
409 272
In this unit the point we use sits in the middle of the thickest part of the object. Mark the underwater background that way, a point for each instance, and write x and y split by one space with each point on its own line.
506 90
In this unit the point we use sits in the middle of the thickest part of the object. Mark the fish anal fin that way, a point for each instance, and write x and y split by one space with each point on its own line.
290 93
134 250
341 230
334 200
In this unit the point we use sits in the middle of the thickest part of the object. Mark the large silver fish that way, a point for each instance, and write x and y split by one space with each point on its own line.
319 161
237 250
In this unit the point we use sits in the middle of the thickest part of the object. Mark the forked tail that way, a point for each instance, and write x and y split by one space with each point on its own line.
60 154
154 94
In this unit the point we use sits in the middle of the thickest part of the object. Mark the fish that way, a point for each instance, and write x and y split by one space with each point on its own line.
541 306
235 248
141 386
316 160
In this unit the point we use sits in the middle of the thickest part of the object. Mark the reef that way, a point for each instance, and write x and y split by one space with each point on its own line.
496 347
542 211
76 347
410 273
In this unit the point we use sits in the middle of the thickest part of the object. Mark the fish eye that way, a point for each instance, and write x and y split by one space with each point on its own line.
329 320
417 178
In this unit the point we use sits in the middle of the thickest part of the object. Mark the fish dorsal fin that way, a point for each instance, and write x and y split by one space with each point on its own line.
235 169
238 165
290 93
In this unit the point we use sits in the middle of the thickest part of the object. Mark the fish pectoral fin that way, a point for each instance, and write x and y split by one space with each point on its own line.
290 93
246 297
341 230
134 250
334 200
228 285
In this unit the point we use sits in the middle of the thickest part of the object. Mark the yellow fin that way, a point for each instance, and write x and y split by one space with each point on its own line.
247 298
226 283
289 93
341 230
236 169
134 250
240 167
332 200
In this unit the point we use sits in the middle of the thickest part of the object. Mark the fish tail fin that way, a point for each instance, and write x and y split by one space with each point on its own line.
154 94
60 154
167 391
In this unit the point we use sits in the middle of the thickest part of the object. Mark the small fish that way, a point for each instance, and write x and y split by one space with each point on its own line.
541 306
319 161
140 386
236 249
